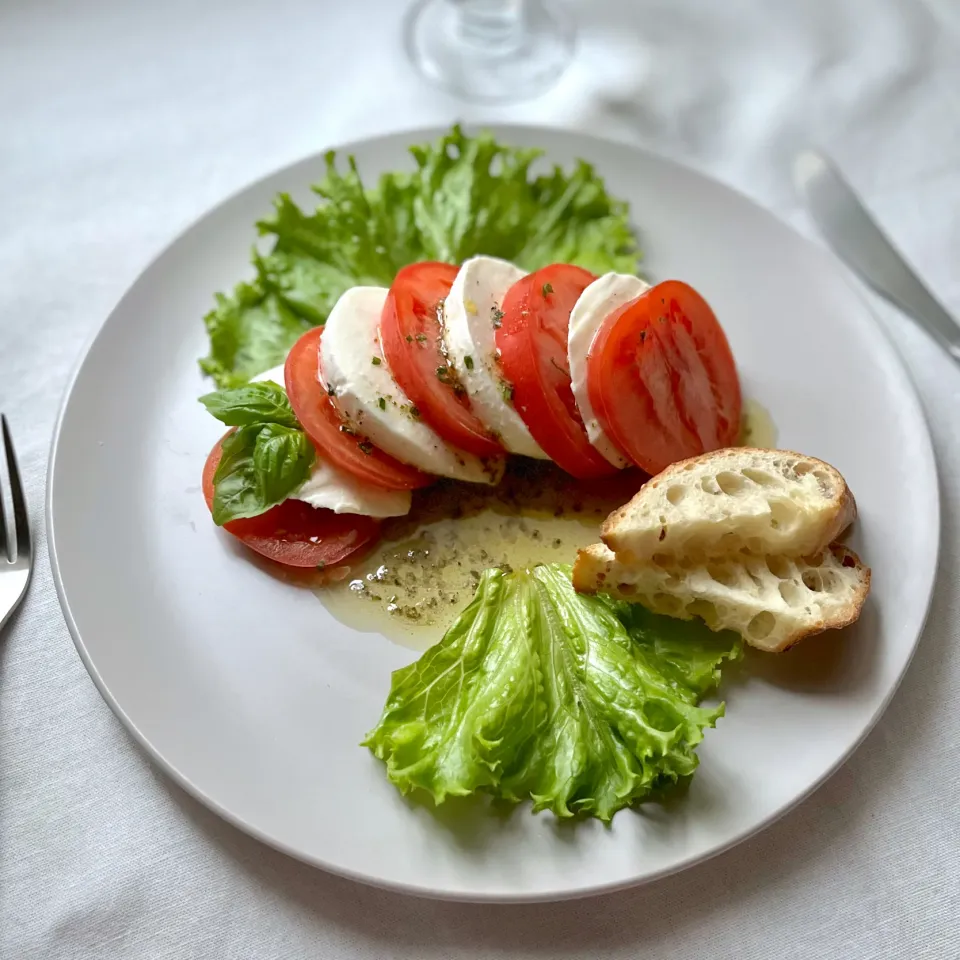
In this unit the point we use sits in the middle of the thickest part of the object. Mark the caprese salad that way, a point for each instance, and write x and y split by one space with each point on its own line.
444 375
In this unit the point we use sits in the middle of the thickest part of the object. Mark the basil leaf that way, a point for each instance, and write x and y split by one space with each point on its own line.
262 402
282 458
260 466
236 492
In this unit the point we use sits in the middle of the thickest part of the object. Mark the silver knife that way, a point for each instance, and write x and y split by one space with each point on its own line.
860 243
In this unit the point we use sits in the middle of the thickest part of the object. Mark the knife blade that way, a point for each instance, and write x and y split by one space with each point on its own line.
855 237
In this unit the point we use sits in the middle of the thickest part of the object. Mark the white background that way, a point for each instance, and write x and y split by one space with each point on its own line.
122 122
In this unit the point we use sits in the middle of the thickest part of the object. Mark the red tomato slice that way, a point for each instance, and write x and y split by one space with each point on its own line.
662 379
323 424
412 340
294 533
532 342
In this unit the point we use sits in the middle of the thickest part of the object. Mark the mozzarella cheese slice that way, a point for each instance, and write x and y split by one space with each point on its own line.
340 492
601 298
469 313
336 490
354 372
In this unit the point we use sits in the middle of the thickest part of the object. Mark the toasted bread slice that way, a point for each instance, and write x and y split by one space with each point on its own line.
772 602
736 500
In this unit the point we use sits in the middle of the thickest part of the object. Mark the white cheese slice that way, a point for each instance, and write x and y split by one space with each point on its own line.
469 334
601 298
353 370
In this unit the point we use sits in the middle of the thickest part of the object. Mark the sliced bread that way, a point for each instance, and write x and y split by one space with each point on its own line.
735 500
772 601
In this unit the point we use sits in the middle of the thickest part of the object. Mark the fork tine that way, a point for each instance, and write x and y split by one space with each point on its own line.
21 520
4 542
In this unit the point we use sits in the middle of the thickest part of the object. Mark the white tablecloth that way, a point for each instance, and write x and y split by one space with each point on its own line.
122 122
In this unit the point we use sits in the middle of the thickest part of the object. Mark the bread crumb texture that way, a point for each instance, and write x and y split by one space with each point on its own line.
743 539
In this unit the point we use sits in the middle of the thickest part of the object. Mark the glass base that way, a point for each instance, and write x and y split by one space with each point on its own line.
490 52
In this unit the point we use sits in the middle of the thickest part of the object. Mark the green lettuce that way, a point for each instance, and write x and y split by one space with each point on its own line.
574 702
465 196
266 459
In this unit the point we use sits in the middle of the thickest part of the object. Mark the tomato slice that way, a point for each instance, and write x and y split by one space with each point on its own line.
662 379
532 343
411 336
294 533
323 424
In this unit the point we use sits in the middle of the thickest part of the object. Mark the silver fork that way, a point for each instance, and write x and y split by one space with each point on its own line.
16 552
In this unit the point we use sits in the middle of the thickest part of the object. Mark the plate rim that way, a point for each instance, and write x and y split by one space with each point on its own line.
423 134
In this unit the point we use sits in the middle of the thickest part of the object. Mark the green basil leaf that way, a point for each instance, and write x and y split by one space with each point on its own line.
262 402
236 492
282 458
260 466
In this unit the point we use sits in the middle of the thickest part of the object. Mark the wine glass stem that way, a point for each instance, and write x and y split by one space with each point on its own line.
493 25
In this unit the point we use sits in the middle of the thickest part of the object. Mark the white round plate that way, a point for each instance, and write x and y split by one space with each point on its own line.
254 699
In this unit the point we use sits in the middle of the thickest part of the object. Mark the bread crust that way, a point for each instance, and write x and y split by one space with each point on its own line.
615 532
773 598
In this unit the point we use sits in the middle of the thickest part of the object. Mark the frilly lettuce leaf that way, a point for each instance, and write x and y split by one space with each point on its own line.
538 692
252 329
687 652
466 196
